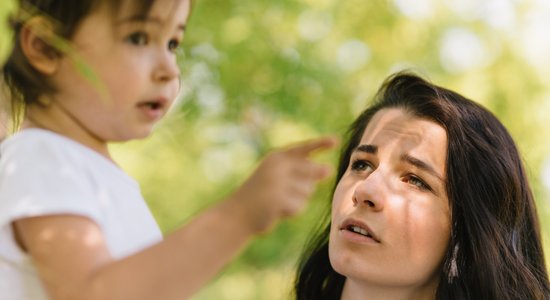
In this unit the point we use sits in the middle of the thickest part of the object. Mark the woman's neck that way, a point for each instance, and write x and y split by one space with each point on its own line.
355 290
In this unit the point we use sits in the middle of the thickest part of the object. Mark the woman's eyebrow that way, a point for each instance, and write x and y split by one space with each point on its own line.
367 148
373 149
421 165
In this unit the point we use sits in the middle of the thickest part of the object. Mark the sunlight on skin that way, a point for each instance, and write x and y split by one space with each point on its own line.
92 239
86 236
47 235
50 234
412 224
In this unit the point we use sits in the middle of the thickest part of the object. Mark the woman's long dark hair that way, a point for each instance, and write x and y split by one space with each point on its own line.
495 249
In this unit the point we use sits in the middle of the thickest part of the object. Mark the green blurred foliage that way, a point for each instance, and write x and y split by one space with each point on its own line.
6 8
261 74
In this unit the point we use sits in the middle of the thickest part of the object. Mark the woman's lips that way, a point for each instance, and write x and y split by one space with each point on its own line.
358 230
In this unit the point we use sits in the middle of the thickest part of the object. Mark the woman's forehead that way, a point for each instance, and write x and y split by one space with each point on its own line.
398 121
401 132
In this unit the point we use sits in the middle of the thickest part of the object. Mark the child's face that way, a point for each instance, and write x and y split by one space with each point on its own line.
135 76
394 188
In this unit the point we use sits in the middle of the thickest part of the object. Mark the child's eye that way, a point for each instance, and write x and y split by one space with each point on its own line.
173 45
411 179
138 38
361 166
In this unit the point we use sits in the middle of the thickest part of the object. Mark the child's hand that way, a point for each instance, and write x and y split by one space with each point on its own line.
281 184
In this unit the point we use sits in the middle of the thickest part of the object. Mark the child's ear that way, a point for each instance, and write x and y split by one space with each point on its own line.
35 38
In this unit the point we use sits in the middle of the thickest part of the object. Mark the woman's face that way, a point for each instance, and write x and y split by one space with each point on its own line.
390 211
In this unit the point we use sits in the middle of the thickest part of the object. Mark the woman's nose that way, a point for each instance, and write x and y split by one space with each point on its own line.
370 192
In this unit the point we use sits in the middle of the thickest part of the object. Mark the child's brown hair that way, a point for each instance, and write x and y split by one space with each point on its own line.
24 83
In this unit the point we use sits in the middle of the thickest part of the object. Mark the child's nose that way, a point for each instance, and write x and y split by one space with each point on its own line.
166 67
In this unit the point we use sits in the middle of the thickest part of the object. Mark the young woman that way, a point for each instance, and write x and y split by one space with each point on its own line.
431 202
73 225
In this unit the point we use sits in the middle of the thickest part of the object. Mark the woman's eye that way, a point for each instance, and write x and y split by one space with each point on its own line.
361 166
173 45
417 182
138 38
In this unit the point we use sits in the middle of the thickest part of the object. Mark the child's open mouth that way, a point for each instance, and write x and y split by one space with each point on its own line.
152 105
153 109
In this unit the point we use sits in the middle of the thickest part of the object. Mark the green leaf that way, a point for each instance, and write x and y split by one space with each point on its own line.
6 8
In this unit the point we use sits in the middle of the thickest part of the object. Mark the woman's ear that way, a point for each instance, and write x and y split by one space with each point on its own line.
36 39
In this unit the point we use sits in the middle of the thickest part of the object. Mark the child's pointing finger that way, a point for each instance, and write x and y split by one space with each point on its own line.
305 148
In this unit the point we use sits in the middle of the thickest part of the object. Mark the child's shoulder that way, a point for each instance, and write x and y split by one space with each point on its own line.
41 152
36 140
43 146
46 163
30 146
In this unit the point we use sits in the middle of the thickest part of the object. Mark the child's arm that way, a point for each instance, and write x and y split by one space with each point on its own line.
74 263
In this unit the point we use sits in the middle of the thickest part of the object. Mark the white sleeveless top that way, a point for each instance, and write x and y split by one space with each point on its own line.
43 173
